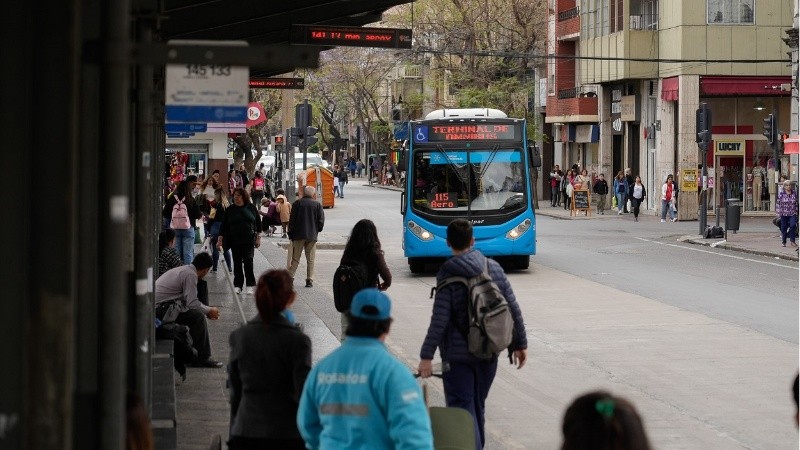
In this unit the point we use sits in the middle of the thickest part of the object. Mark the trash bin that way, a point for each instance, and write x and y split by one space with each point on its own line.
733 214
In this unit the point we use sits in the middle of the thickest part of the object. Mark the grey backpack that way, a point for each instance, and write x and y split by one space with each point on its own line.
490 327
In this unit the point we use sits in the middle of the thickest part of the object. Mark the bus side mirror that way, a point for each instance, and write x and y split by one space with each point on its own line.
533 154
403 161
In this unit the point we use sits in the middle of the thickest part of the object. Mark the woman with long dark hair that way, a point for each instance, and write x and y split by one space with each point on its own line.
269 362
215 217
599 421
638 194
364 248
241 233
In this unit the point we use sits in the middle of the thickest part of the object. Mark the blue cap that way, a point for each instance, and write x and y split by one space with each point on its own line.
371 304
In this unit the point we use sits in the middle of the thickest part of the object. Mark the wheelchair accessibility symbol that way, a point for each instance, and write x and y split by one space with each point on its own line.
421 134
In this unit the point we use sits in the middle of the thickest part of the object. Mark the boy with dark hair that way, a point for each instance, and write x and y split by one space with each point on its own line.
467 382
601 189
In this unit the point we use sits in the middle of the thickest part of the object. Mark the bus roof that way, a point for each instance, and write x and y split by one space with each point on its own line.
466 113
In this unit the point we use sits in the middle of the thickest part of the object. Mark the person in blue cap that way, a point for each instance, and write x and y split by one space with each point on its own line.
360 396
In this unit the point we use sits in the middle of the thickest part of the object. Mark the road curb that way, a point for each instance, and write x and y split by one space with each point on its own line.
723 244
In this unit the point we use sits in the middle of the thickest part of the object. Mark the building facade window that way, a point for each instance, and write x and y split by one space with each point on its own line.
727 12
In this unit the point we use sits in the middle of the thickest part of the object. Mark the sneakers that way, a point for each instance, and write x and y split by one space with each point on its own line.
237 290
619 213
663 221
309 283
249 290
675 219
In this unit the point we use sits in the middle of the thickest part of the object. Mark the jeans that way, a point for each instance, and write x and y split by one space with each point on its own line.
243 265
215 255
636 204
298 246
257 196
466 385
788 228
620 201
553 196
665 207
184 244
341 189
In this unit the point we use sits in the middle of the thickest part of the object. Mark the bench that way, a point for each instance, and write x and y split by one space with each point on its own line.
164 416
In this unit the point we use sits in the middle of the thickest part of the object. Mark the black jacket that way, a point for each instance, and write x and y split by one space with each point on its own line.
601 187
267 370
306 219
240 225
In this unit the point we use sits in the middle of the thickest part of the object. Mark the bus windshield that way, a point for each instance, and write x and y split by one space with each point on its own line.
484 181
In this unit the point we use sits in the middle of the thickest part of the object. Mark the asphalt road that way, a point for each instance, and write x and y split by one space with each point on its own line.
703 341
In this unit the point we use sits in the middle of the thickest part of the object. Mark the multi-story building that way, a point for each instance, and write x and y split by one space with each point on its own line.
625 78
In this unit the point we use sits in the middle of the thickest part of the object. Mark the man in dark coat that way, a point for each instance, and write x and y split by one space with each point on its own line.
468 379
305 222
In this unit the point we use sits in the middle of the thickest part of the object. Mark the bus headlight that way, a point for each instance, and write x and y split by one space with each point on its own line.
419 232
514 233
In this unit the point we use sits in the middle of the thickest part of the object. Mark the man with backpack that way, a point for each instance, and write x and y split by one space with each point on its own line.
469 351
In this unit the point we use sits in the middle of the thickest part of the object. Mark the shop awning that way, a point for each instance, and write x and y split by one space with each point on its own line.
669 89
743 86
583 133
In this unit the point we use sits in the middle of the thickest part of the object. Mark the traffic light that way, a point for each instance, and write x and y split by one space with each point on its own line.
278 140
310 138
703 127
769 129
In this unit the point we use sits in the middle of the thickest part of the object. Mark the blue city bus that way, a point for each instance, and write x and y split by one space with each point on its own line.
474 164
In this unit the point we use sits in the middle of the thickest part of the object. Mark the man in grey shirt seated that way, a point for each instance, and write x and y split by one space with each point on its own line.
176 301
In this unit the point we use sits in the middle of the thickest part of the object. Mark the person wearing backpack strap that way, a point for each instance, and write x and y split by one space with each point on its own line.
363 261
182 219
468 379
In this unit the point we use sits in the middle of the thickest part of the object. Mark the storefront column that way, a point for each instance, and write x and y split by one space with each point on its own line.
688 159
665 147
604 156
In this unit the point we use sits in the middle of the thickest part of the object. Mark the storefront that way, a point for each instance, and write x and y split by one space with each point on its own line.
741 162
582 144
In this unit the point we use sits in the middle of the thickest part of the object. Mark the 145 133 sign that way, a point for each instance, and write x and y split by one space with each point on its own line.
443 200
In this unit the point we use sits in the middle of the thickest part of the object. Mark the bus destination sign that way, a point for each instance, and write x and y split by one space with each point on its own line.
443 200
350 36
472 132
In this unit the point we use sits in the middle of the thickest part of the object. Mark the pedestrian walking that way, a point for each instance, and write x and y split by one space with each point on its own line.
241 233
599 421
620 191
259 188
360 397
305 222
467 382
667 200
269 361
555 186
601 190
234 181
342 180
359 168
786 211
364 248
566 183
182 212
216 217
638 194
630 180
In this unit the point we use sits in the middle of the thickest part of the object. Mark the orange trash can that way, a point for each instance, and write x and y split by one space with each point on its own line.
322 179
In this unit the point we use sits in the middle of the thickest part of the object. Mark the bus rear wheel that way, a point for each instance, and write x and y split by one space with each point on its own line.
416 265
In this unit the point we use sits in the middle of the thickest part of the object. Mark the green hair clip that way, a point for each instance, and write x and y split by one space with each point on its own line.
605 407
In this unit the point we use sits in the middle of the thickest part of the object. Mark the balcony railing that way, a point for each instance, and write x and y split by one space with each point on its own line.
567 93
568 14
